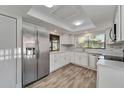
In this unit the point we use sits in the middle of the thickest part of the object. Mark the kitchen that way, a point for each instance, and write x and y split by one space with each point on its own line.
64 46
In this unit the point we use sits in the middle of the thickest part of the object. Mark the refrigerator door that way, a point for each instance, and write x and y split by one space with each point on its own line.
29 56
43 58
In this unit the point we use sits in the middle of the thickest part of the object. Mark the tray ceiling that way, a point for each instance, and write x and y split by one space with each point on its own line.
69 17
64 16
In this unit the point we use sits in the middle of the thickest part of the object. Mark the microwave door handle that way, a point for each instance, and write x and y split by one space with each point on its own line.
110 34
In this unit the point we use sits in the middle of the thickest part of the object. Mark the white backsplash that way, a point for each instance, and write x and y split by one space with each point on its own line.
114 50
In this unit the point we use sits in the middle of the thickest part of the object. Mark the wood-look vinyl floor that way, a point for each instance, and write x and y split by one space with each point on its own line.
69 76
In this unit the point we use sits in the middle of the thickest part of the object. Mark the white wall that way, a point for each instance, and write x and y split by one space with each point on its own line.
19 29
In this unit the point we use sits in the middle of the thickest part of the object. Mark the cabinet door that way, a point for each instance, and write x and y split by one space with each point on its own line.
72 57
64 39
71 39
67 39
77 59
92 61
67 59
52 63
61 58
84 59
57 61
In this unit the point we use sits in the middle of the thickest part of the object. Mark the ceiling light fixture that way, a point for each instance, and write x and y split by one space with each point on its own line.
55 31
77 23
49 6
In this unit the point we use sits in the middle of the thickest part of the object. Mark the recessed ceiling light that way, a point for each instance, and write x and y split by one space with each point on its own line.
77 23
49 6
55 31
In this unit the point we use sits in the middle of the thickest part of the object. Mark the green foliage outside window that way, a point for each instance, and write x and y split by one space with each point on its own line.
92 41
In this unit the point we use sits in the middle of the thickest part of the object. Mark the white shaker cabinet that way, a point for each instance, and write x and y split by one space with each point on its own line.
77 58
52 62
67 39
72 57
81 59
58 60
62 59
84 59
92 61
67 58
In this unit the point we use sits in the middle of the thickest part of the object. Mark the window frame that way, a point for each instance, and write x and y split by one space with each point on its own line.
51 42
96 48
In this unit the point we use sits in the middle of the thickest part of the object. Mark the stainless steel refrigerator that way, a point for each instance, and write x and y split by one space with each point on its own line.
35 55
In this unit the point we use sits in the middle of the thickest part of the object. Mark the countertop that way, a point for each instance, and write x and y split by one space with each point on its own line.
54 52
111 63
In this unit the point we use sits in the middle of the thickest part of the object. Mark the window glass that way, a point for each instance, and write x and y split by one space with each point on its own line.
97 41
54 42
83 41
92 41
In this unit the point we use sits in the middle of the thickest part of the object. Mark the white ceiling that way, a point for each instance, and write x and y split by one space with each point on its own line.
63 16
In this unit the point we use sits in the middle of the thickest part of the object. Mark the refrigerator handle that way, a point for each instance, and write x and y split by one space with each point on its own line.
38 50
37 54
37 47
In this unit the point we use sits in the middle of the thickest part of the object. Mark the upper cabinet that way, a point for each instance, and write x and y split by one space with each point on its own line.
119 21
116 33
67 39
122 22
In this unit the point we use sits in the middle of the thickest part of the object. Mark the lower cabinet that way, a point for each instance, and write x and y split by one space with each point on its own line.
92 61
81 59
58 60
84 59
77 60
72 57
52 62
62 59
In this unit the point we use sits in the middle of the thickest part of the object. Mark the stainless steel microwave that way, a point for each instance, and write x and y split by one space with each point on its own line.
112 33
